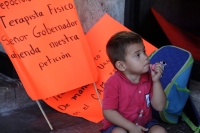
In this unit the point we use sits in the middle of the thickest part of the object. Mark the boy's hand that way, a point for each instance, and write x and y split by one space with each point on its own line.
156 71
139 129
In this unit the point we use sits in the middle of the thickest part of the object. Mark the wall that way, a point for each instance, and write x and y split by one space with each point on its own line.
90 11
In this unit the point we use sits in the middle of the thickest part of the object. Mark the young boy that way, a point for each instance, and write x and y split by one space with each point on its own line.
130 93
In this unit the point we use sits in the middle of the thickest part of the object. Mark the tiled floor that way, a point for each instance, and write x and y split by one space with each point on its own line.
30 120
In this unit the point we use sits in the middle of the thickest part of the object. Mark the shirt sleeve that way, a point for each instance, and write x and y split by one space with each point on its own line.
111 95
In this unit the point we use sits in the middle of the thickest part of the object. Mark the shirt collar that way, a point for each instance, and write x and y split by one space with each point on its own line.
144 77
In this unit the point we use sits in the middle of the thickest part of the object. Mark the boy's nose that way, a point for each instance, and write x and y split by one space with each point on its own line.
146 57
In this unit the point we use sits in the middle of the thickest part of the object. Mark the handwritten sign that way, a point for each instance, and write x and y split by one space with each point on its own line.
47 46
83 102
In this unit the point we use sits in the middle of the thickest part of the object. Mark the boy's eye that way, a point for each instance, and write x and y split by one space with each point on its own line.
144 51
138 55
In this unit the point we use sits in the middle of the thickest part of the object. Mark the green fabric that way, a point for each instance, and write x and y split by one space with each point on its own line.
181 89
190 124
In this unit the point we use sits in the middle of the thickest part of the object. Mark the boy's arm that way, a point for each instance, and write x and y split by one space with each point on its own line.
117 119
158 99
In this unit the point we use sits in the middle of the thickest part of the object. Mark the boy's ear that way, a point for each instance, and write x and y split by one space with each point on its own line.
120 65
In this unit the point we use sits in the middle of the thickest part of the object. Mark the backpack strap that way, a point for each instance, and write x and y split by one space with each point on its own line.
190 124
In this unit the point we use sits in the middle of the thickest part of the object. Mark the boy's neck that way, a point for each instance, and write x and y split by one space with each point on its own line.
134 78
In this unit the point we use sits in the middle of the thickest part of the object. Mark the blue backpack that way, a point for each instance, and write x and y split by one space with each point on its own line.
175 77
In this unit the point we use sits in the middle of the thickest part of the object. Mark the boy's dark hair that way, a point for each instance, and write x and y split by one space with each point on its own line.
117 44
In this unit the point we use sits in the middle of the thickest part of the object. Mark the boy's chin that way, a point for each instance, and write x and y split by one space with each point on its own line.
147 70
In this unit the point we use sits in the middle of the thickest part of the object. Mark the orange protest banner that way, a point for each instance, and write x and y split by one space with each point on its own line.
83 102
47 46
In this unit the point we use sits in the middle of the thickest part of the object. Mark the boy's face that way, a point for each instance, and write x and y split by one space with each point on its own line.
136 60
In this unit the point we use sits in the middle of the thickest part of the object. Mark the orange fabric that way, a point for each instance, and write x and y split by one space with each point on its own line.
47 46
86 104
178 36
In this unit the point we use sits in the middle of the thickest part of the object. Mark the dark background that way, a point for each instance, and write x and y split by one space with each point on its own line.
6 66
182 13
